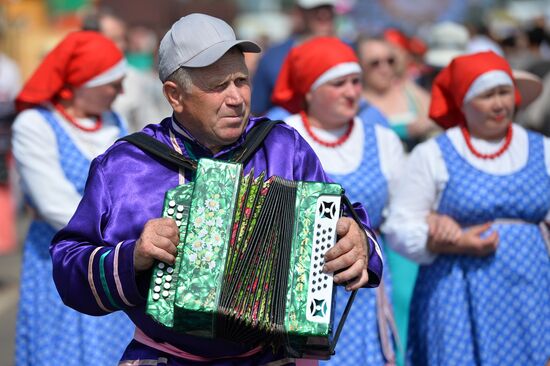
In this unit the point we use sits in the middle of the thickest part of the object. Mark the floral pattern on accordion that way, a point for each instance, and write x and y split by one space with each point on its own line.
203 259
266 280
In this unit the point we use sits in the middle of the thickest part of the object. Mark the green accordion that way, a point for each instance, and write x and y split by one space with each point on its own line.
249 262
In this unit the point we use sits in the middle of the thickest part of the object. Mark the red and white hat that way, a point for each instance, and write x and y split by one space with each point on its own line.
310 65
463 79
82 59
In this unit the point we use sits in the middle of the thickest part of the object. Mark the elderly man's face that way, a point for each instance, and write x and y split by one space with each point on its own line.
217 106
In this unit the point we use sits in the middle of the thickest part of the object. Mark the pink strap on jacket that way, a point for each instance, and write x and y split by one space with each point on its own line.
172 350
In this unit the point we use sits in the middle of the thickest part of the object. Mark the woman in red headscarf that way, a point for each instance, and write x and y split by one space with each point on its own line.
320 82
471 213
64 122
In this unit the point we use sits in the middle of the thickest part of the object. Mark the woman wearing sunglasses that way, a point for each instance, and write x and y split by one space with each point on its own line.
404 104
320 82
472 214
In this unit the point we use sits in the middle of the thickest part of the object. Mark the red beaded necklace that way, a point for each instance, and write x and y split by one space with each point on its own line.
505 146
317 139
71 119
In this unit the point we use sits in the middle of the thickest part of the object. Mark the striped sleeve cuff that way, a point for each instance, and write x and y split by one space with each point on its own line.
111 277
375 266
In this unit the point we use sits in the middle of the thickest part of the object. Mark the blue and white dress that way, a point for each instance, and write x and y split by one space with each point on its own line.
48 332
366 339
492 310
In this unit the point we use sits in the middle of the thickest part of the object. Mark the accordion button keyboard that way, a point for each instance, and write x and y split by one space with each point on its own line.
320 284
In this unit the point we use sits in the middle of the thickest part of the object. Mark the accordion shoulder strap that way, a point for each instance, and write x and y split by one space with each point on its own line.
253 140
155 147
151 145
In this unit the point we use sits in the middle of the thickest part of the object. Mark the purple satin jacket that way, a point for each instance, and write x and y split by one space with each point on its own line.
93 255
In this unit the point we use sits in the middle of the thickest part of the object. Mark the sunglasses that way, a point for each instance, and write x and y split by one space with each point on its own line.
374 63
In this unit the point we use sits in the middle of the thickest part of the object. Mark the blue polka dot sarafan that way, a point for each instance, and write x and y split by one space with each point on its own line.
492 310
48 332
359 343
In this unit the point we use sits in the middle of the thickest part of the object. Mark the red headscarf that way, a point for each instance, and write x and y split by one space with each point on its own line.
305 64
413 45
453 82
80 57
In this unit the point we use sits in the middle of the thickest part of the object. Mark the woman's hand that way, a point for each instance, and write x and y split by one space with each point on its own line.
446 237
473 244
422 128
442 231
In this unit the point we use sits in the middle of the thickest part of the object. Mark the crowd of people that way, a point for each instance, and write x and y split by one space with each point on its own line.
435 141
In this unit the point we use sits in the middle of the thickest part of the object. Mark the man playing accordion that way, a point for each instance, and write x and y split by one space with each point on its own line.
102 258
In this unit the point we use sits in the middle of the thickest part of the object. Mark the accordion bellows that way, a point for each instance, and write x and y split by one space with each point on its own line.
249 262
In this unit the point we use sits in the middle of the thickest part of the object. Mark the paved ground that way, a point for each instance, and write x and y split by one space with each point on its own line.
10 266
9 294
